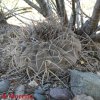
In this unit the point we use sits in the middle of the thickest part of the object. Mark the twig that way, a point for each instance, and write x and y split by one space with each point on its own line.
58 78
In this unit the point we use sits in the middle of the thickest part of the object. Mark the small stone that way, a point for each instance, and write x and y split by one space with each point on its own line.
4 85
60 94
33 83
83 97
39 97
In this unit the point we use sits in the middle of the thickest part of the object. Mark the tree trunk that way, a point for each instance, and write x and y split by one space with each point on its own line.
46 11
95 16
61 11
91 25
2 18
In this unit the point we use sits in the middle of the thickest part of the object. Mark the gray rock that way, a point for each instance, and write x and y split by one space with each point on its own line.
85 83
39 91
4 85
39 97
60 94
20 90
82 97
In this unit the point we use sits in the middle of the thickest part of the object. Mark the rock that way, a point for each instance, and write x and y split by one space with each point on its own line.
33 83
4 85
83 97
29 89
85 83
98 73
20 90
60 94
39 97
39 91
39 94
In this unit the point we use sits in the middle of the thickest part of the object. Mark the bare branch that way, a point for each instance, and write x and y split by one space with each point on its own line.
74 13
33 6
44 7
11 15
